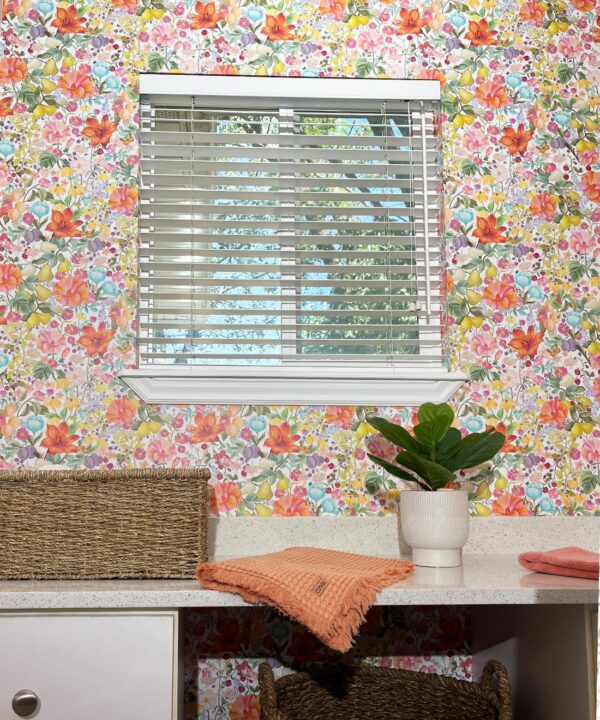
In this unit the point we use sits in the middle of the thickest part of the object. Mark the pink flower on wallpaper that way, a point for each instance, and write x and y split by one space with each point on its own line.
50 341
382 448
475 140
163 34
591 451
71 291
77 85
570 46
501 294
483 344
582 242
55 132
10 277
492 94
161 451
333 8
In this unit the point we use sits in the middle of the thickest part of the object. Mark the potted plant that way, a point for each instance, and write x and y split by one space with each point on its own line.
435 516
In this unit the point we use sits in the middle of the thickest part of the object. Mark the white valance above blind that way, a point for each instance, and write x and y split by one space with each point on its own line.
287 231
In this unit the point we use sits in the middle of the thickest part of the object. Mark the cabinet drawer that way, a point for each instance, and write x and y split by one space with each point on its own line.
90 666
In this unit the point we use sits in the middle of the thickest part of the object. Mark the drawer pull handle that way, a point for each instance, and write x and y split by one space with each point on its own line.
25 703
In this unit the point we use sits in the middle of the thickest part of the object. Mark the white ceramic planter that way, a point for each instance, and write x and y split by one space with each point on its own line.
435 525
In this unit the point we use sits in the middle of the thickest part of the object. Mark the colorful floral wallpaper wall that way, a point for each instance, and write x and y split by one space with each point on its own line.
522 183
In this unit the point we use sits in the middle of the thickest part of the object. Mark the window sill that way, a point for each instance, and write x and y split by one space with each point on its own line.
227 385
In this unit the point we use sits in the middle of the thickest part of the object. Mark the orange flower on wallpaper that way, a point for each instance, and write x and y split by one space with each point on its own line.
488 232
63 224
280 440
410 22
67 21
432 74
99 132
533 11
501 295
508 445
333 8
58 440
526 344
276 28
10 277
208 428
95 341
71 291
224 497
12 70
205 16
225 69
555 412
590 182
584 5
509 504
516 141
492 94
5 108
76 85
122 412
245 707
480 34
291 506
543 205
129 6
341 415
123 199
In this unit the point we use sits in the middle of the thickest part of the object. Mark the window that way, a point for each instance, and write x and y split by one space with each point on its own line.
290 236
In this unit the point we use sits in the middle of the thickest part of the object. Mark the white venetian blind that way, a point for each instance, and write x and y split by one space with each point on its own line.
300 231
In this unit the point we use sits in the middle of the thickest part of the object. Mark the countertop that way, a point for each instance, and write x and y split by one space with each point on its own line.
482 580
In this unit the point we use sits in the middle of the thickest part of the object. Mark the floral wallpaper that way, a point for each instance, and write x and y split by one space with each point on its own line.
520 114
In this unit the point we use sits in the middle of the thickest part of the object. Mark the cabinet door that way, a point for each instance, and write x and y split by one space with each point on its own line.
97 666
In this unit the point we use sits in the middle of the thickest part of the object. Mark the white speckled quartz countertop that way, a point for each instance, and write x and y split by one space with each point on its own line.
482 580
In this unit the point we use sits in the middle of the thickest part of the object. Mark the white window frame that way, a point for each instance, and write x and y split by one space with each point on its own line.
292 385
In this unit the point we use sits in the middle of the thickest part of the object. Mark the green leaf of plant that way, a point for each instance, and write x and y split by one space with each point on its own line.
397 472
447 444
431 412
433 473
475 449
396 434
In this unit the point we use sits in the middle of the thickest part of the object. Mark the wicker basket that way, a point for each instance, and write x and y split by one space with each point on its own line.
358 693
79 525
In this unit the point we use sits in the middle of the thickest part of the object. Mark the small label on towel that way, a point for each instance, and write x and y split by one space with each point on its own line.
319 588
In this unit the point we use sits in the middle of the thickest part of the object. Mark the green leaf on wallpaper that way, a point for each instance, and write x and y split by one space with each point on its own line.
156 62
47 159
477 373
565 72
576 270
589 482
41 371
468 167
364 67
455 308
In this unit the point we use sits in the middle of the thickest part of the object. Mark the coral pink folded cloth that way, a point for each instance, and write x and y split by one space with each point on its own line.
569 561
327 591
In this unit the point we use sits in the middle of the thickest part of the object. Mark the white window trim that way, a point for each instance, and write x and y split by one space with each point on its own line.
360 385
289 385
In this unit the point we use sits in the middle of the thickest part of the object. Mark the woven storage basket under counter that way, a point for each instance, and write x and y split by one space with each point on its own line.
83 525
373 693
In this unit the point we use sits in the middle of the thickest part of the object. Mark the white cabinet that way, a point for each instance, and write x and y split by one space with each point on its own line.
90 666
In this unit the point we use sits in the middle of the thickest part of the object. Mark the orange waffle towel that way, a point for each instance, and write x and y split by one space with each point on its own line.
570 561
327 591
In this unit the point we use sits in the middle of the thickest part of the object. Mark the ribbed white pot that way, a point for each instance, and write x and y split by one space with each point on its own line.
435 525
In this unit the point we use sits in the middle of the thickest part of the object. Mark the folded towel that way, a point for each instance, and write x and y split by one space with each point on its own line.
569 561
327 591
